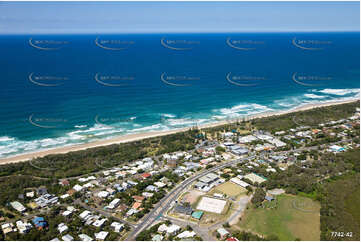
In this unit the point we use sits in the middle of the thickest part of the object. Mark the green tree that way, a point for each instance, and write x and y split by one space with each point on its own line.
258 197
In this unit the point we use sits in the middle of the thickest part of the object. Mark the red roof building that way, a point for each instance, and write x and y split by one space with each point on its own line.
145 175
138 198
231 239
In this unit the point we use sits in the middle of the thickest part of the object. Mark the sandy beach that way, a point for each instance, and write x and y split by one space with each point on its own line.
139 136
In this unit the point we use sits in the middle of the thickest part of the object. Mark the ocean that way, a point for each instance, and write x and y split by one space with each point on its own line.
59 90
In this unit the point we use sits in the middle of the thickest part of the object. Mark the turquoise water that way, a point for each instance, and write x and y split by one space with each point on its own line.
61 90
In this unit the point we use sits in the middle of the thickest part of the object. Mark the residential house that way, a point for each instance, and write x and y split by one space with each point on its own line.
186 234
117 226
23 227
39 223
62 227
101 235
18 206
85 237
223 233
67 237
138 198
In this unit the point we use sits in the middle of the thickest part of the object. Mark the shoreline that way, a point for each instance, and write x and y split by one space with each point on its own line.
140 136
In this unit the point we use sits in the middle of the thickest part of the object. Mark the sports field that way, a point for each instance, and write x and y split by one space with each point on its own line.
230 189
289 217
212 205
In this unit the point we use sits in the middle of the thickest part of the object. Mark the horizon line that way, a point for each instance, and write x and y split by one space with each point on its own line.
180 32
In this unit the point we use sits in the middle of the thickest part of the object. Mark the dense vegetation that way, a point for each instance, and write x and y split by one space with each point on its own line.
297 179
311 117
339 195
94 159
247 236
340 209
258 197
10 188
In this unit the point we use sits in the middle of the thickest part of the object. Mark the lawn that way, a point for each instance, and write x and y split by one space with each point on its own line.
230 189
289 217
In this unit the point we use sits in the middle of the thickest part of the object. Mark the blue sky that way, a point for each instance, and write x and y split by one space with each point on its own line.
160 17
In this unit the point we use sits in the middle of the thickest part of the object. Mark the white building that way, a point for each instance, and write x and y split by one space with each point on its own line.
113 204
23 227
77 188
186 234
101 235
18 206
117 226
67 237
222 232
169 229
237 181
62 228
85 237
103 194
277 143
100 222
159 184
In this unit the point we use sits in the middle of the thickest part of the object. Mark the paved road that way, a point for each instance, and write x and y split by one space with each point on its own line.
203 232
242 204
165 203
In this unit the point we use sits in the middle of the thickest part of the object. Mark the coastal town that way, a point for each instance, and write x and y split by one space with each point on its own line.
180 120
205 193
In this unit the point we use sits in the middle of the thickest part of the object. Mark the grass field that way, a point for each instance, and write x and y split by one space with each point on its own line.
230 189
289 217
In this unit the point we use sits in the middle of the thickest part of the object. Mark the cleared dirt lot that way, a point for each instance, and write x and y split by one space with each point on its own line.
192 196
